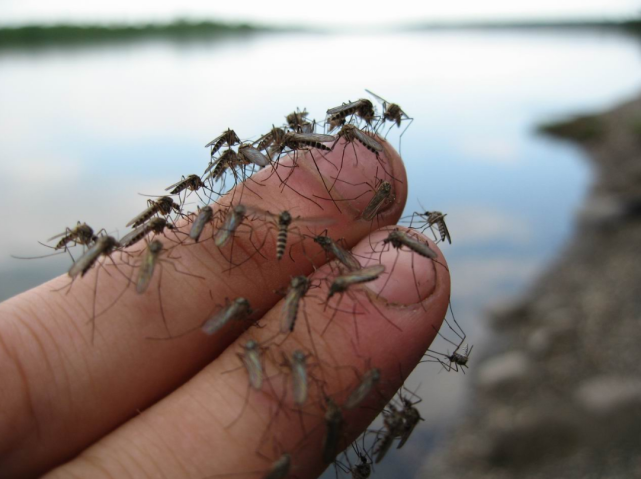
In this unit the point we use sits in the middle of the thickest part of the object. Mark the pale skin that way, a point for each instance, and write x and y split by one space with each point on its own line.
125 406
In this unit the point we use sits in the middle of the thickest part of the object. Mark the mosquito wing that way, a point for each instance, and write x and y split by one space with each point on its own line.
367 140
176 184
312 137
380 99
147 268
346 106
60 235
363 275
253 155
142 216
91 255
215 140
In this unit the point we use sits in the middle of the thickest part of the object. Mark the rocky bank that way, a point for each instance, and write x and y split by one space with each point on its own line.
563 399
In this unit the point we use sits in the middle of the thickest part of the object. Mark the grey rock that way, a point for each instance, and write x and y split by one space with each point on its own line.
504 371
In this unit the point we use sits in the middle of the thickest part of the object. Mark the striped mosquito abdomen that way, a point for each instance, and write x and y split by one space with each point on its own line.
230 137
276 135
81 234
295 293
154 225
284 220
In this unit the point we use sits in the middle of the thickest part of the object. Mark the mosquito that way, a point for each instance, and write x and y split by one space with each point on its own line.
251 358
330 246
283 222
411 418
233 219
350 134
382 195
455 359
275 136
360 470
363 275
163 206
227 160
394 114
300 386
334 423
251 155
204 216
393 421
154 225
398 239
192 182
297 290
297 121
370 379
342 284
304 141
300 141
434 218
362 108
104 246
82 234
230 137
148 266
238 310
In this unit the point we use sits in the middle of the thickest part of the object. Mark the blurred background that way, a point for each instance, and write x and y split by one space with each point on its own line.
102 101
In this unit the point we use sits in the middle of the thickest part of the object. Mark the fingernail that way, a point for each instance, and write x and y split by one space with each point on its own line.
409 278
352 173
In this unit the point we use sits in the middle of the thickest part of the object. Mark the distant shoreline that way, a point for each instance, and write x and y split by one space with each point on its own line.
70 34
75 34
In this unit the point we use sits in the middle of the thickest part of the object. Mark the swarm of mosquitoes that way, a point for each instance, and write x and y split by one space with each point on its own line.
236 160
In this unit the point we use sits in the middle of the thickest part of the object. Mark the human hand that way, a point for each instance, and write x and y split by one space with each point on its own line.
126 406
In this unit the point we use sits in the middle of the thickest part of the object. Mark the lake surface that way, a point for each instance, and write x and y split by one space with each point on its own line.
86 129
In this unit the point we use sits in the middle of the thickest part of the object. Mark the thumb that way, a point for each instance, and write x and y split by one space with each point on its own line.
193 433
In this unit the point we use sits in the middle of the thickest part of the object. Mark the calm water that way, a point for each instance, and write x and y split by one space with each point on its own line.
85 129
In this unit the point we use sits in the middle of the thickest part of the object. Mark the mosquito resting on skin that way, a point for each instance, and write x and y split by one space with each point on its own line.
394 114
162 206
283 222
295 142
362 108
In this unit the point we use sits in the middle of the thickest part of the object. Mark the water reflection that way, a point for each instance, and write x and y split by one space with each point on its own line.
87 129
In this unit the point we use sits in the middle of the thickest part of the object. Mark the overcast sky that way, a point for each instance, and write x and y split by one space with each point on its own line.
317 12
